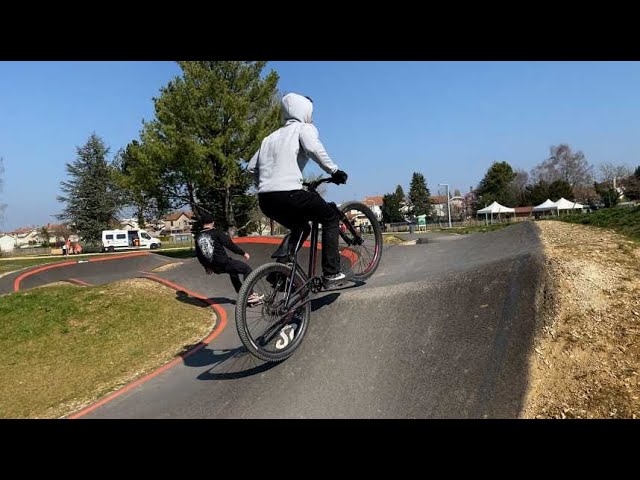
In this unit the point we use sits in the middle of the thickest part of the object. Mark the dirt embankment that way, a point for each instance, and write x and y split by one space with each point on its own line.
587 360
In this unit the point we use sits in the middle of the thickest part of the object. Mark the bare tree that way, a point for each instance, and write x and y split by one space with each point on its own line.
45 236
518 186
564 164
259 220
609 172
631 186
586 195
60 231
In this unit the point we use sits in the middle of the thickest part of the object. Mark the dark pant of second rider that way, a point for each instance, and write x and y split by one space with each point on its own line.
234 268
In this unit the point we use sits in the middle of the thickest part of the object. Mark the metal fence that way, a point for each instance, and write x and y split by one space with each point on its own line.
40 251
25 252
444 223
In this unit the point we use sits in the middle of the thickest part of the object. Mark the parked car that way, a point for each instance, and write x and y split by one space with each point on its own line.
113 240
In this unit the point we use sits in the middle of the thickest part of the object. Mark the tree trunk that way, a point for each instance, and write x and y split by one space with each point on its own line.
228 212
192 202
140 215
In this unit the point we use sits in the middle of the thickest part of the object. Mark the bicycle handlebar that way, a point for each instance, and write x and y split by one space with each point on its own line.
316 183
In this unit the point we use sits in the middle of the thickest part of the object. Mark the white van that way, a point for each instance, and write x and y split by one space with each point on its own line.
113 240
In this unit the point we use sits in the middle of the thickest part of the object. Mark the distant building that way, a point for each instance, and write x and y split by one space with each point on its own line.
439 205
7 243
129 224
523 212
58 233
25 236
177 222
459 207
375 204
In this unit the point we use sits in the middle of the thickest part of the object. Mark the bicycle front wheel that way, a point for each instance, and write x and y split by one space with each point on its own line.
266 328
360 239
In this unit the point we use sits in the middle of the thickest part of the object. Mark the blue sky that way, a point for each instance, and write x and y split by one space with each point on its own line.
380 121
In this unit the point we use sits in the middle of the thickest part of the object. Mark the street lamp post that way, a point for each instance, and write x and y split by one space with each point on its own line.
448 201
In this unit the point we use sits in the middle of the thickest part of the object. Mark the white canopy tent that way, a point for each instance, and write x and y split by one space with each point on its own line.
495 209
564 204
546 206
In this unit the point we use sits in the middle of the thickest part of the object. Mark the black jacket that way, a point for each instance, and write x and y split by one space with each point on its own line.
210 248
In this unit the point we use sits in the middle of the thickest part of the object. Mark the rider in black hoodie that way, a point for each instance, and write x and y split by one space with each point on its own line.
210 250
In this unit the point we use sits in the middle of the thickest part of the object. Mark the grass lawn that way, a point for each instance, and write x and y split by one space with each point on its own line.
63 347
10 265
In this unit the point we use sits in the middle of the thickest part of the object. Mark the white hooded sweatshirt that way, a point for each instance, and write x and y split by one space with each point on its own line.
282 156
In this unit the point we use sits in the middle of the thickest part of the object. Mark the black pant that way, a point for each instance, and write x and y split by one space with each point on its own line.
234 268
295 209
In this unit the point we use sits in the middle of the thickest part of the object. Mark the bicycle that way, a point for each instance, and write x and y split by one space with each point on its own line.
282 318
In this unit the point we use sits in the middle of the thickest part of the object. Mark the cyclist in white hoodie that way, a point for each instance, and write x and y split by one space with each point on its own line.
278 166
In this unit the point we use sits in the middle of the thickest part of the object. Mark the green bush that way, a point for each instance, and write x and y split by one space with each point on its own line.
624 220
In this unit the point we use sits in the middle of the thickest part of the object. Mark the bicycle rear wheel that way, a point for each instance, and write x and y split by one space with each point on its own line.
362 249
266 329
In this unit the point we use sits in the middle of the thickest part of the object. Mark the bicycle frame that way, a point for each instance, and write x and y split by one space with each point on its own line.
313 255
284 302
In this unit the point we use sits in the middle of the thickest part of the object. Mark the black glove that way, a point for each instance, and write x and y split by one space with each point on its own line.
339 177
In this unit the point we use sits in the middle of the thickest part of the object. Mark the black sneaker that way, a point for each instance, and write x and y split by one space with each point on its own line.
330 281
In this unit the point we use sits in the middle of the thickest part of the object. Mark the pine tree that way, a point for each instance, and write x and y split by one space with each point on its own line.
391 209
91 196
419 195
496 185
207 121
